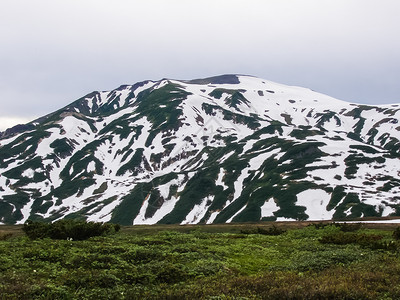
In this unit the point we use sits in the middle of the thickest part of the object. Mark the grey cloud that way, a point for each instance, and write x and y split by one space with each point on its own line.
57 51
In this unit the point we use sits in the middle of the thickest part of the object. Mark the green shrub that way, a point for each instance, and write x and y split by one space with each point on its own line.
260 230
270 231
384 245
341 238
308 260
396 233
319 225
348 227
68 229
171 272
345 227
5 236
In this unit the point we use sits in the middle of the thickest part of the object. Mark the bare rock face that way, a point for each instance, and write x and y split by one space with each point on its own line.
15 130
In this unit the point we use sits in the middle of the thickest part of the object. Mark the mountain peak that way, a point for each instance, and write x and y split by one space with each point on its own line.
229 148
221 79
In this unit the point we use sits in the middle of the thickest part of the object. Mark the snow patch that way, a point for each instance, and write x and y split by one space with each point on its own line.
315 202
268 208
29 173
198 211
219 181
91 167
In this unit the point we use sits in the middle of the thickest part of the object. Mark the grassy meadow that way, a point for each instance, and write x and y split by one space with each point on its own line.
231 261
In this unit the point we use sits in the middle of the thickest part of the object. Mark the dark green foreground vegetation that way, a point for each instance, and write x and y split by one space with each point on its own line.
204 262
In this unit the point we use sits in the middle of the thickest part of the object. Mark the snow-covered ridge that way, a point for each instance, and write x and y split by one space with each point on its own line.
230 148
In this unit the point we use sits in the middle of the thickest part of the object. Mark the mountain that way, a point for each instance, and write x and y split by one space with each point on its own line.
230 148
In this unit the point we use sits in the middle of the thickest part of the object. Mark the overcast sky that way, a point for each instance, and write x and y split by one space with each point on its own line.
52 52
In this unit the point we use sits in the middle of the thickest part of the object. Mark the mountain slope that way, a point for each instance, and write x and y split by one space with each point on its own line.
224 149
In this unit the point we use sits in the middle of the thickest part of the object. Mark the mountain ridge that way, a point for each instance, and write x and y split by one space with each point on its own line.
228 148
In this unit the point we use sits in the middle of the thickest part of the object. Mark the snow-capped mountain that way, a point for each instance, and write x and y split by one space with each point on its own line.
223 149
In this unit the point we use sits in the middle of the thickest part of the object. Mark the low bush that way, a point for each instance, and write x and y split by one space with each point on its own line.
362 239
384 245
319 225
260 230
321 260
5 236
270 231
68 229
345 227
348 227
396 233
